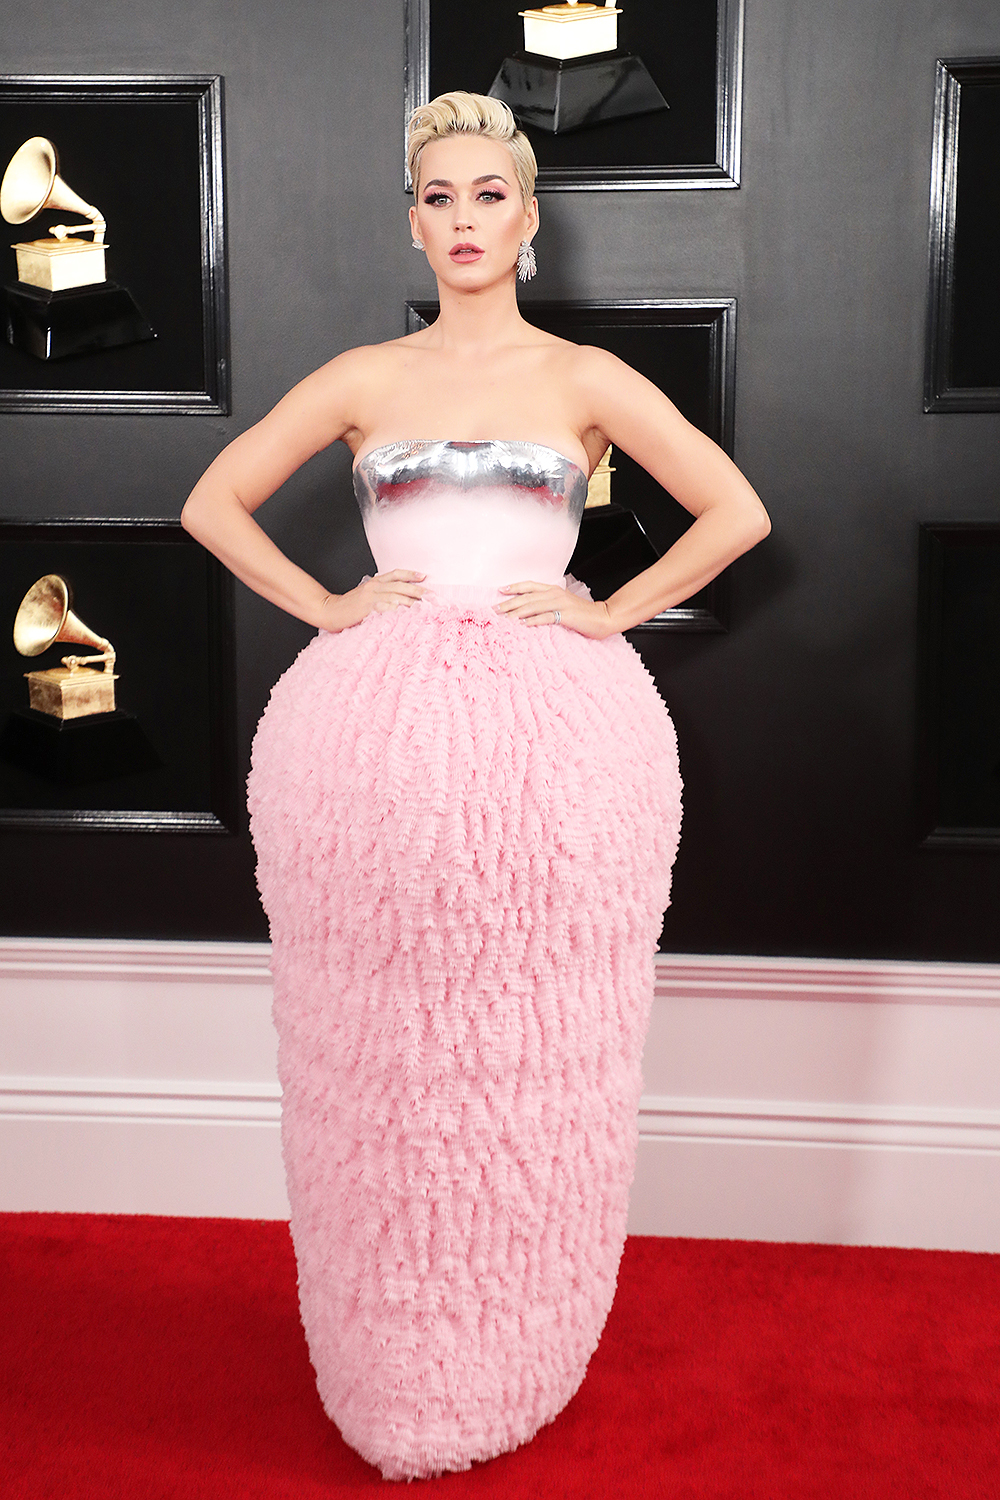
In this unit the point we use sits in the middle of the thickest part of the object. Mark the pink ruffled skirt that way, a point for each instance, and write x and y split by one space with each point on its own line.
465 829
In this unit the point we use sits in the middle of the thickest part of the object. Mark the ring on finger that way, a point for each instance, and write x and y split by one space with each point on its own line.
557 616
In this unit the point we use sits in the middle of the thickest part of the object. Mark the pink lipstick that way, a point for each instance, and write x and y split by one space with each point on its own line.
465 252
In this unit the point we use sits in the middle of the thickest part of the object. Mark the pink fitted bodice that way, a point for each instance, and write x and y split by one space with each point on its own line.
472 516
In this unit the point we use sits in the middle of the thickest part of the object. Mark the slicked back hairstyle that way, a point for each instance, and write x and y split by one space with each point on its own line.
459 113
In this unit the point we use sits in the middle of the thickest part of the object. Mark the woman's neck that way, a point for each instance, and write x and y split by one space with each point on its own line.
472 322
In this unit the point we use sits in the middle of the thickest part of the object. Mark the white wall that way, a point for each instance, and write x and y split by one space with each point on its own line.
786 1099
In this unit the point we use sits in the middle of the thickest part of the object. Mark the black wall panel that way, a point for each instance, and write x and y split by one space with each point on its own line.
798 728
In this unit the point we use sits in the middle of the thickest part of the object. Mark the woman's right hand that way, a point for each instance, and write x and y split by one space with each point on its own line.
400 588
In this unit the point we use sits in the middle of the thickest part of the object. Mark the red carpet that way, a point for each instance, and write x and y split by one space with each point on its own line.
147 1358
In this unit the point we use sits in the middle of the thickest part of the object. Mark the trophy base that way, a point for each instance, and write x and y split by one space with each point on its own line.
65 694
81 320
75 752
610 550
559 96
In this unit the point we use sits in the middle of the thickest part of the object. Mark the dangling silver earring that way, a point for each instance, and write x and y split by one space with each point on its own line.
526 267
417 244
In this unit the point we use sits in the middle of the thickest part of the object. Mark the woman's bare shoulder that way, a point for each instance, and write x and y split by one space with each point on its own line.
585 362
594 373
365 360
591 362
343 387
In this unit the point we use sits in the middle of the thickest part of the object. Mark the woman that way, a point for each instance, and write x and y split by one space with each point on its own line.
465 803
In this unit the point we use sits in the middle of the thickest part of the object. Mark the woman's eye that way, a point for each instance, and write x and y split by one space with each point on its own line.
488 195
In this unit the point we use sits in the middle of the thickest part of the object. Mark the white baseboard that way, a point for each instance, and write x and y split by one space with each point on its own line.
139 1077
811 1100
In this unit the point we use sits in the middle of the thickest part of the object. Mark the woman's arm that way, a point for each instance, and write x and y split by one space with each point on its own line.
622 407
219 510
729 516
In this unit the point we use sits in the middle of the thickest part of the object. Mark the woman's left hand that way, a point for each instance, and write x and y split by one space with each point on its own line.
547 604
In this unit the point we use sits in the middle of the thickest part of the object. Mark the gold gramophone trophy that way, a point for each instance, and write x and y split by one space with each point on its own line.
72 733
62 303
571 73
76 688
599 488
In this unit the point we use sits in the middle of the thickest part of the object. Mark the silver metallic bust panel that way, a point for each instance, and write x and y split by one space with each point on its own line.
397 472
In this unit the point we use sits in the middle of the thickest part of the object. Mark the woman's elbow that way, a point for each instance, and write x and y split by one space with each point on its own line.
756 521
762 525
188 517
197 515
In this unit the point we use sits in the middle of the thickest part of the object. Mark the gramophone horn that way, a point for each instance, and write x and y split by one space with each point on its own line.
45 617
32 182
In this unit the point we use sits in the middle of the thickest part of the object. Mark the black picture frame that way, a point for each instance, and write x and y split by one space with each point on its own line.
695 54
963 322
166 605
687 347
958 703
149 151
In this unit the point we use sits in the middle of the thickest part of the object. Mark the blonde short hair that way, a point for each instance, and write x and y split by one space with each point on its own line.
459 113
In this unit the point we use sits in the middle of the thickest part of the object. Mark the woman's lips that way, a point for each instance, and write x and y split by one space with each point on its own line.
466 252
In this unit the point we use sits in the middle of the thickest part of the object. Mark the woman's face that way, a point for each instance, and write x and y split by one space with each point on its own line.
469 212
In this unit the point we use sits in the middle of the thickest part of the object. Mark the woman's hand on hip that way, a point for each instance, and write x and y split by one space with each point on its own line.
548 604
400 588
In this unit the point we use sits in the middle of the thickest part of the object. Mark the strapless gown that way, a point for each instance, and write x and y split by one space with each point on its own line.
464 830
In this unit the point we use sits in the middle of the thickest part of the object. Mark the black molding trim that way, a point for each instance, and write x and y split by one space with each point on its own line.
935 539
724 172
226 814
207 90
939 394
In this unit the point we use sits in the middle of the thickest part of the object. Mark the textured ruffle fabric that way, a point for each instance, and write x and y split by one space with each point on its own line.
465 829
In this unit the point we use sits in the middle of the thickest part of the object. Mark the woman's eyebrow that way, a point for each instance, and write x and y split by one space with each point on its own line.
445 182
